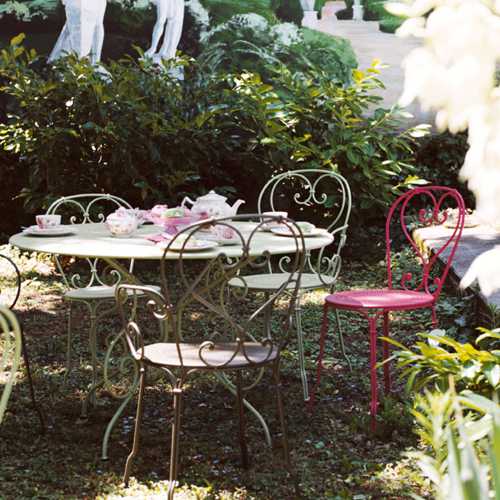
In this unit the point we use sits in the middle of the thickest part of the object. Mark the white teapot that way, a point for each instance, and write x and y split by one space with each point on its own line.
212 205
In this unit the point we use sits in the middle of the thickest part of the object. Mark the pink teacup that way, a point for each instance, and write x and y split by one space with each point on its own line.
48 221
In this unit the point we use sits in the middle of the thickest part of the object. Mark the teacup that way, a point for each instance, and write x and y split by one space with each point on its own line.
48 221
223 232
121 226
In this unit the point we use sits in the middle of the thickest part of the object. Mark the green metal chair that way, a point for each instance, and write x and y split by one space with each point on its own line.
95 286
10 302
318 195
10 354
213 327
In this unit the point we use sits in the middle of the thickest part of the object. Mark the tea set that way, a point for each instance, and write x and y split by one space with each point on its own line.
124 223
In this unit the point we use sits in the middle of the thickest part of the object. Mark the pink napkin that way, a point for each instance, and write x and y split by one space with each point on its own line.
157 238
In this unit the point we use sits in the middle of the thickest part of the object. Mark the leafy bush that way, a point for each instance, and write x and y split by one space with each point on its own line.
150 137
462 438
374 10
434 362
222 10
249 43
439 158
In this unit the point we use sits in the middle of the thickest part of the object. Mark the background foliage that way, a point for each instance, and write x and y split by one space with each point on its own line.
69 131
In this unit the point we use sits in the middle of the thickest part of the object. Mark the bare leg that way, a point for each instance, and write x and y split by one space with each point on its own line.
173 31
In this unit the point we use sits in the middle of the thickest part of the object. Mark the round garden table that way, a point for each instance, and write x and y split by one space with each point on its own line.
93 241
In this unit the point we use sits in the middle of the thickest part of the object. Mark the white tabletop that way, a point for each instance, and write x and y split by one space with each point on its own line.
94 240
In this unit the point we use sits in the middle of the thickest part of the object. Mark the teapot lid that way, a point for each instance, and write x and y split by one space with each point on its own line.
212 196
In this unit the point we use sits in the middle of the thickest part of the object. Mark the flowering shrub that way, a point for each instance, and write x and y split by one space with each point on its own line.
454 73
68 131
27 9
249 42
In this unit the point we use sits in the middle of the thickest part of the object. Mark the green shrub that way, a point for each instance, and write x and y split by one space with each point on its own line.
222 10
439 359
390 24
439 158
250 43
150 137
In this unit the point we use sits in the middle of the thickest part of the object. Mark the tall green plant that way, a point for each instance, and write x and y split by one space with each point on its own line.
462 438
432 362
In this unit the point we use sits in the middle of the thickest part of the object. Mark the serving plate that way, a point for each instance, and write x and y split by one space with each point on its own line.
285 231
49 231
191 246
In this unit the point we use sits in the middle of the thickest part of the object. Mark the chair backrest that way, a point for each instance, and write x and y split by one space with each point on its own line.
207 302
8 268
418 208
315 195
88 208
10 354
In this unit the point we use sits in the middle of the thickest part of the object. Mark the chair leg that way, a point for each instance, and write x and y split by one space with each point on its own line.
241 418
137 429
373 371
300 347
69 338
281 414
435 322
93 347
341 339
36 407
386 353
174 451
319 362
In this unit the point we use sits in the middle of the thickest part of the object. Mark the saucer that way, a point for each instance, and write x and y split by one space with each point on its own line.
49 231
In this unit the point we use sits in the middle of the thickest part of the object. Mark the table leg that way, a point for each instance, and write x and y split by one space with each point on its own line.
130 278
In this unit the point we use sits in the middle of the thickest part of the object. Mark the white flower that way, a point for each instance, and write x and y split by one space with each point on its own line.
286 34
453 73
486 270
200 14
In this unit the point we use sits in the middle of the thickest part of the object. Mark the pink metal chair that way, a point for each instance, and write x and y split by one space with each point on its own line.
413 292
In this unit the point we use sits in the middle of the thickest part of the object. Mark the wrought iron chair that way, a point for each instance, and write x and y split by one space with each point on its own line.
10 357
414 292
97 287
8 303
323 195
213 326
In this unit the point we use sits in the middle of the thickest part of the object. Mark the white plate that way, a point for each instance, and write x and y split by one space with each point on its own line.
221 241
285 231
50 231
198 246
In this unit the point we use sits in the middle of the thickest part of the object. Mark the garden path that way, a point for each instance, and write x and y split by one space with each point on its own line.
369 43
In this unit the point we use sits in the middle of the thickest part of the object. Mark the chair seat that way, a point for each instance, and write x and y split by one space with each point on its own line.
166 354
97 293
389 300
273 281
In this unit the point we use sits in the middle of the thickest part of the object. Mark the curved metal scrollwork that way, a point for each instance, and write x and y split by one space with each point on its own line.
203 309
11 302
327 192
408 213
10 353
88 208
